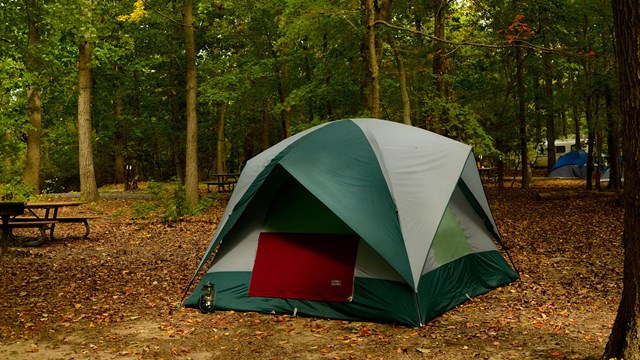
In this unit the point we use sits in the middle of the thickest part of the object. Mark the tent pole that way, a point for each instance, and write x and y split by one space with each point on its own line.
417 305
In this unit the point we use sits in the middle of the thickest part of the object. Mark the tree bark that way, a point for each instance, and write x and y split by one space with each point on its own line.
522 118
591 139
373 60
402 82
441 8
282 97
624 341
549 110
6 169
192 195
31 174
119 137
266 125
88 187
613 143
220 148
576 115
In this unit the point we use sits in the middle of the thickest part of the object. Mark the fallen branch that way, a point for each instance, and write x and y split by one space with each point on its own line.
563 195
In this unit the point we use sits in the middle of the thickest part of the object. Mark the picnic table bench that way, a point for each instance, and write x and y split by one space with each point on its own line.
44 217
222 182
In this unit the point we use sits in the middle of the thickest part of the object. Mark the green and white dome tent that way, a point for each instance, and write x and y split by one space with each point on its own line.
357 219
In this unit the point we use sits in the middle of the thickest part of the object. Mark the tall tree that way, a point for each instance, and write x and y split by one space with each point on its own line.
191 166
120 131
549 107
373 59
31 174
624 341
522 116
88 186
220 145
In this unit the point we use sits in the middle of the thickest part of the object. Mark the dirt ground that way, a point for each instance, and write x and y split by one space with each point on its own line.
114 296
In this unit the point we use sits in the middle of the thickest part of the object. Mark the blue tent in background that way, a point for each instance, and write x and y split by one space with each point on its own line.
570 165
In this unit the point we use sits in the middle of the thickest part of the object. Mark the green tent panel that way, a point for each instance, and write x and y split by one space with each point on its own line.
357 219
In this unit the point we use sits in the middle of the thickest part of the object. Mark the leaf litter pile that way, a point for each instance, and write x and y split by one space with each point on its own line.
114 295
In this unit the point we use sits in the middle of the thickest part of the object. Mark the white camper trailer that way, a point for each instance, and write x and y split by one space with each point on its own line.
562 146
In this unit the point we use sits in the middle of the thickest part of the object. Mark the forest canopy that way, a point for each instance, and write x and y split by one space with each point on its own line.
500 76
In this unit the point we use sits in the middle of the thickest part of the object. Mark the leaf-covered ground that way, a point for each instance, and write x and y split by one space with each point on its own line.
114 295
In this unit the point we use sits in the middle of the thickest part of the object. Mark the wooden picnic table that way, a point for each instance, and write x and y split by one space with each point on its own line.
489 174
44 216
223 182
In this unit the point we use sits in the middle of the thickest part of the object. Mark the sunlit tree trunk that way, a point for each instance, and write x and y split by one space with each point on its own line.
624 341
88 187
31 174
192 195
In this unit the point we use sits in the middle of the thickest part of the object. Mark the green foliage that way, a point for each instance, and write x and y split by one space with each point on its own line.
144 209
15 191
301 61
169 204
459 123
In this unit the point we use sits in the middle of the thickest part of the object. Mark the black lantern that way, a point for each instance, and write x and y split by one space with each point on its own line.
207 297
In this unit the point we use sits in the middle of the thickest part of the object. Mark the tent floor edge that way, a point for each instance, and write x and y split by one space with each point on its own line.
457 282
374 300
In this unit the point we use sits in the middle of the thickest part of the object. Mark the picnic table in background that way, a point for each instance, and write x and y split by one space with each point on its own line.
222 182
490 174
44 216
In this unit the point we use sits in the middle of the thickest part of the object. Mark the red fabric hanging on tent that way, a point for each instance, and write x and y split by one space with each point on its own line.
304 266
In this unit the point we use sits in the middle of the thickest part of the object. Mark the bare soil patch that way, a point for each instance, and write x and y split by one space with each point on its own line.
114 295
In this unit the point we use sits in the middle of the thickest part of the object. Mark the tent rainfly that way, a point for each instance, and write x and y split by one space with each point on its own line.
357 219
570 165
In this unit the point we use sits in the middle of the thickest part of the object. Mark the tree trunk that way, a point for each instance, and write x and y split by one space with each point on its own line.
265 126
31 174
402 82
439 59
177 107
373 60
88 187
6 169
576 116
624 341
119 137
220 148
192 196
591 139
282 97
522 118
549 111
613 143
441 9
